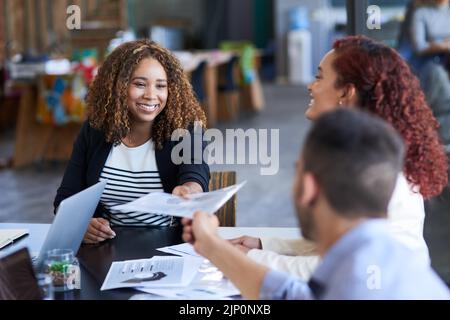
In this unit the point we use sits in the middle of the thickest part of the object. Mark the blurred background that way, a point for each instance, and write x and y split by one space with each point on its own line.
249 62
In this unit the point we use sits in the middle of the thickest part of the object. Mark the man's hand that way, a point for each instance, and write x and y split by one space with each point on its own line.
98 231
186 189
246 275
246 243
200 230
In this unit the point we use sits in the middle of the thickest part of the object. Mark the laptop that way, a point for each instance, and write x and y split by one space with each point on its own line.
17 279
71 221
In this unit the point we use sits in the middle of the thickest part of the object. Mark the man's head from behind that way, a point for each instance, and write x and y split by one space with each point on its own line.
349 164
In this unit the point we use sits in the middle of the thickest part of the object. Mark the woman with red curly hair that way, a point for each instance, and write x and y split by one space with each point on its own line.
139 97
361 73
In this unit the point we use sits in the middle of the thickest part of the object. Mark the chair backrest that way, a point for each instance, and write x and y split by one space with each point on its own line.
228 80
219 180
198 81
17 279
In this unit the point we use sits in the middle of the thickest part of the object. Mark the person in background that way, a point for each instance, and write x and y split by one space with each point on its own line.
139 97
430 27
344 181
429 33
363 74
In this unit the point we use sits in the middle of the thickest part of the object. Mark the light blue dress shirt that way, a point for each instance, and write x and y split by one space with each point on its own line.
366 263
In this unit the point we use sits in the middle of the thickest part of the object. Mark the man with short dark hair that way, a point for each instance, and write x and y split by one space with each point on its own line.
344 181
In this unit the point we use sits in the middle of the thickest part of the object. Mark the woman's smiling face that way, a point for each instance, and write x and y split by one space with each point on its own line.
147 91
323 92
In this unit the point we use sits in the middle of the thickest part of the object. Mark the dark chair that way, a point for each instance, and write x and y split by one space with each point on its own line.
219 180
198 83
17 279
228 98
9 103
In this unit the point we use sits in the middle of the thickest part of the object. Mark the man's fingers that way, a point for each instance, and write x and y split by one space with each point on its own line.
187 229
198 215
187 237
186 222
215 220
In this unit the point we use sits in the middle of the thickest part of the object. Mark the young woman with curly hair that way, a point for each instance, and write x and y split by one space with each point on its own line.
139 97
361 73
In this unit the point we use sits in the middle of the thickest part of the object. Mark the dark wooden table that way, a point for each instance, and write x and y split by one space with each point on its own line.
95 260
130 243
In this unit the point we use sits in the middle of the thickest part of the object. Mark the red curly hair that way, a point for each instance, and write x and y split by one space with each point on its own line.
386 87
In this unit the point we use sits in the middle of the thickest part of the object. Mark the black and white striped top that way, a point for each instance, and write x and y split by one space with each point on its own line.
131 173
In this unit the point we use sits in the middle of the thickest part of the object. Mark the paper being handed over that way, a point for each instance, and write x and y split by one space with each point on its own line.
168 204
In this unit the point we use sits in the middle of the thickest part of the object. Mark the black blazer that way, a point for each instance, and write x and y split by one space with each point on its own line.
89 155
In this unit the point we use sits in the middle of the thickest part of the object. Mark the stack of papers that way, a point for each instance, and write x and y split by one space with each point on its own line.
159 271
168 204
186 277
209 282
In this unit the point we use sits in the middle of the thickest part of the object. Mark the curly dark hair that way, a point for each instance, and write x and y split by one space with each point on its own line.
387 87
107 96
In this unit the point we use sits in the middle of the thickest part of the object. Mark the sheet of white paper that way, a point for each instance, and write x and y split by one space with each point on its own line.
184 249
196 292
208 283
159 271
8 236
167 204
